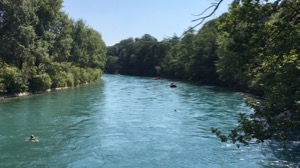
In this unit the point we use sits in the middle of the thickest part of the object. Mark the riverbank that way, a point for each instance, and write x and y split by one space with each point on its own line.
15 95
22 94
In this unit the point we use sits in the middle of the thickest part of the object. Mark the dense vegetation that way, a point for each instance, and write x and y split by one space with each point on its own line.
255 46
42 48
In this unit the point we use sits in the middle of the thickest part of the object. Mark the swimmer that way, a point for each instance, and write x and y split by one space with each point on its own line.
32 138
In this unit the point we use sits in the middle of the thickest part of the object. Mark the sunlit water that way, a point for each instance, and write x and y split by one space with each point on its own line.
131 122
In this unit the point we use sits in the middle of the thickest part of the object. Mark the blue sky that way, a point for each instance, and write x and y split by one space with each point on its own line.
116 20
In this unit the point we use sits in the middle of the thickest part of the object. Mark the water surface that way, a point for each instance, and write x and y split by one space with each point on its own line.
131 122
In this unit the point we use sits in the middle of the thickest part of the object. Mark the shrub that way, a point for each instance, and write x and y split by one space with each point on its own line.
40 82
62 79
13 81
76 71
94 74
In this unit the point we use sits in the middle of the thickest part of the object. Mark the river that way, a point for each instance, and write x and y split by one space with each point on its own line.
132 122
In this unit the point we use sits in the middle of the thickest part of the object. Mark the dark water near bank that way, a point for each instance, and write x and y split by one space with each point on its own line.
131 122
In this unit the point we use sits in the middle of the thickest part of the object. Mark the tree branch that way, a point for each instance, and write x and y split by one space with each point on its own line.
215 6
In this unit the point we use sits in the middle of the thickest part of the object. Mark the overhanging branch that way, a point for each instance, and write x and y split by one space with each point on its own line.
214 6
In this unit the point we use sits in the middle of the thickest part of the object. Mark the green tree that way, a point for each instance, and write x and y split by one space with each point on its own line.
39 39
96 50
62 45
49 29
112 64
137 56
179 57
18 20
240 42
202 63
272 67
40 82
13 80
88 48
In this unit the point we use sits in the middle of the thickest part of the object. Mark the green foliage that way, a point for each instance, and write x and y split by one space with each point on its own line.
60 51
136 57
40 82
63 79
44 44
76 71
67 75
180 57
259 49
13 81
194 56
59 75
112 66
279 78
240 42
82 76
88 49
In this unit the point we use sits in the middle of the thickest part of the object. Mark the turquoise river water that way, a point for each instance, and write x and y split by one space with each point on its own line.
131 122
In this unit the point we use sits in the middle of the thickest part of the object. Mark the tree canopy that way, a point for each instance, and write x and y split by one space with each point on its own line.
262 40
41 47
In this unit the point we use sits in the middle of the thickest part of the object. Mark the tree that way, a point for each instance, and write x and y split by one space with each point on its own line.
18 20
272 67
137 56
46 47
202 63
62 45
88 48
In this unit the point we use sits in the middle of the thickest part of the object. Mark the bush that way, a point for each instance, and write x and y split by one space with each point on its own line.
65 74
2 85
94 74
76 71
12 80
82 75
62 79
40 82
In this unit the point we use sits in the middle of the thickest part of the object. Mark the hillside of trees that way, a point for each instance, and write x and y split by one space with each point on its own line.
42 48
255 46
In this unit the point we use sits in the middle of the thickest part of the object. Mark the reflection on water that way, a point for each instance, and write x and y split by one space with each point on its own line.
131 122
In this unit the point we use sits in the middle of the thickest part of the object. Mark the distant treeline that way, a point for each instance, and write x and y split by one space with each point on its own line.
42 48
255 46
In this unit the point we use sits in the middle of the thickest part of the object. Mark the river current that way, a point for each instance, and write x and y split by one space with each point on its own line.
132 122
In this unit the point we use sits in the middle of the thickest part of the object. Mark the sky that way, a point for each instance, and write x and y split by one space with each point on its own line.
117 20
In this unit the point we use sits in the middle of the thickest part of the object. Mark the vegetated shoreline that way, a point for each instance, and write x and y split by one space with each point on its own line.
221 85
23 94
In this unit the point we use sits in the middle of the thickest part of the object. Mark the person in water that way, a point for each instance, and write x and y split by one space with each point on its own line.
173 84
32 138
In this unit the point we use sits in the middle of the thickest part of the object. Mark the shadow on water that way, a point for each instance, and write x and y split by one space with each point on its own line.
281 154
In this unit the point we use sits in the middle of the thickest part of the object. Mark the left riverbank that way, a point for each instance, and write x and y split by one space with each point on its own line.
23 94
